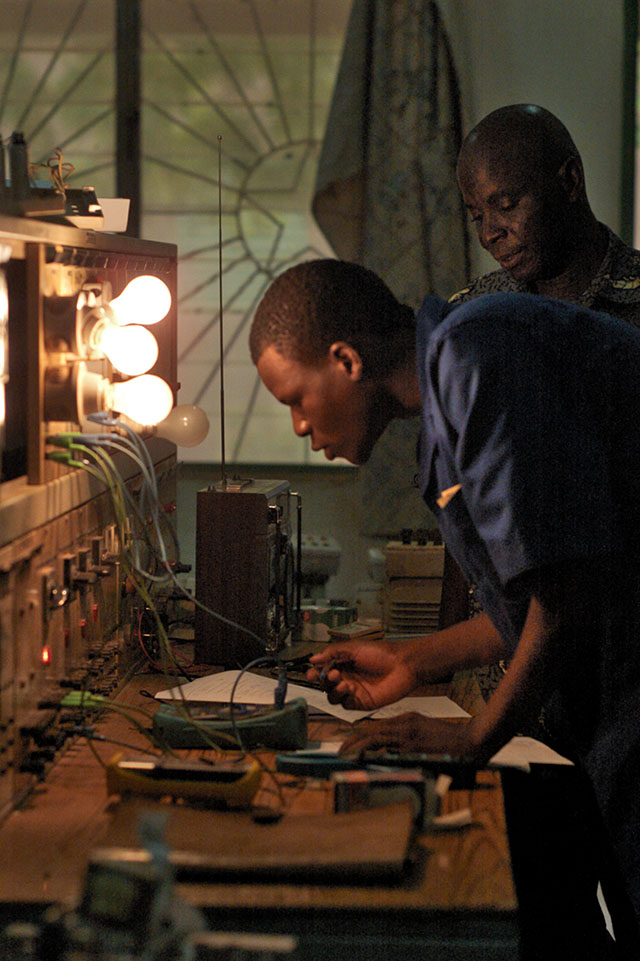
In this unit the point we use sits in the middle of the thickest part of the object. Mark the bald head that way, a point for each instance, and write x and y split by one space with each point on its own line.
522 181
520 135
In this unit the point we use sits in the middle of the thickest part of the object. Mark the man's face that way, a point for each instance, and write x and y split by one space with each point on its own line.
327 402
519 218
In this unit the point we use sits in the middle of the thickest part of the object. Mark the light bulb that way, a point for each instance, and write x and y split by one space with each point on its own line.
145 300
146 399
132 350
186 426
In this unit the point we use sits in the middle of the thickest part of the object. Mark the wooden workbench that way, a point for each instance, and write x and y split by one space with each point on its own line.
459 892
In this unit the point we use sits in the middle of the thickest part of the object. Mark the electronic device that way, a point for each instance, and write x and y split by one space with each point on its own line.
245 571
66 622
244 553
323 764
230 783
257 726
413 585
358 790
461 770
318 764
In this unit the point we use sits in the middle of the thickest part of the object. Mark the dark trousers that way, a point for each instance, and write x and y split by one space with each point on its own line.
559 853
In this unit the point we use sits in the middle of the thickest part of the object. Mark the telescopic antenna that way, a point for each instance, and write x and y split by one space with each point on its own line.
221 315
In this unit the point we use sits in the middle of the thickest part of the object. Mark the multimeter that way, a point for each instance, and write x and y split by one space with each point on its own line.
317 764
322 764
202 725
462 770
232 784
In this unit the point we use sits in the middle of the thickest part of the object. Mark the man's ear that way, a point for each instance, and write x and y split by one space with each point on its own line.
571 176
348 358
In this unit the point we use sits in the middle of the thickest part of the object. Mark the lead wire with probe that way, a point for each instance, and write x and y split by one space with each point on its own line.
100 465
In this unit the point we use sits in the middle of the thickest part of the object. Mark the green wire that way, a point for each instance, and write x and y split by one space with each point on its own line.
107 473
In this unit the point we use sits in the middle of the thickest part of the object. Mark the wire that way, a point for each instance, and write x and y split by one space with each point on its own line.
58 172
254 663
71 441
91 735
149 656
133 528
104 469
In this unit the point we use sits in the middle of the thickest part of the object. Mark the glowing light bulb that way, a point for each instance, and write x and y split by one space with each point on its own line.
132 350
146 399
186 426
145 300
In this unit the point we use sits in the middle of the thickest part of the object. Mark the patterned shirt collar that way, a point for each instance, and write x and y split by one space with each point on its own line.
618 277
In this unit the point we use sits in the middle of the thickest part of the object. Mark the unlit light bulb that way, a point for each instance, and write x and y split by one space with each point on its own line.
186 426
147 399
145 300
132 350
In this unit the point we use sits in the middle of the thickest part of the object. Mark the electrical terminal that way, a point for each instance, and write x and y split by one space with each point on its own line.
30 765
36 723
99 562
82 573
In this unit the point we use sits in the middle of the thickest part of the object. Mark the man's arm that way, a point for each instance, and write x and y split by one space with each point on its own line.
468 644
561 609
525 685
362 675
556 608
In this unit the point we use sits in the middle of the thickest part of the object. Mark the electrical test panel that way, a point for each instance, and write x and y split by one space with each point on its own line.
65 618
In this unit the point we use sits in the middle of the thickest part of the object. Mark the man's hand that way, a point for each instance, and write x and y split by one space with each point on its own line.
413 733
363 675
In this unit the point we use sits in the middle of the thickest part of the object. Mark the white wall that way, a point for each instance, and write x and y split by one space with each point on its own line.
565 56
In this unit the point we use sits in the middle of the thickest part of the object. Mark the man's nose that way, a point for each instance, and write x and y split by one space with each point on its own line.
301 425
491 230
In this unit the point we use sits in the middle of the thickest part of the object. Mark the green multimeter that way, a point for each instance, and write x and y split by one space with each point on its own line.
202 725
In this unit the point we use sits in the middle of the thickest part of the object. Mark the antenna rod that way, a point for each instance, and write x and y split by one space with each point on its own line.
222 447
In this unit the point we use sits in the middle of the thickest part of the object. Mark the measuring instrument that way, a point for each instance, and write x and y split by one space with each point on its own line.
252 726
222 783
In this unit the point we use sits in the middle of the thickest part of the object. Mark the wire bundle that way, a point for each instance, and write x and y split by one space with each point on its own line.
142 528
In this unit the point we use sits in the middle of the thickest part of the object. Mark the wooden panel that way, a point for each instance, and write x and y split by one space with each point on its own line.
352 847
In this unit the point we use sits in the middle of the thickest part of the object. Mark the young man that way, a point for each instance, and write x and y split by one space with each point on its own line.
523 183
529 458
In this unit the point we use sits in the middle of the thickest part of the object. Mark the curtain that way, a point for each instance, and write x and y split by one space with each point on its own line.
386 196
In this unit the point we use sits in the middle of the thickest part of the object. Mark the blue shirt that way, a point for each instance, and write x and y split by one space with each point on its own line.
532 406
531 423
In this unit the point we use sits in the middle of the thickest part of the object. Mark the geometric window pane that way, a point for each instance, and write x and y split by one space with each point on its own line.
57 85
249 83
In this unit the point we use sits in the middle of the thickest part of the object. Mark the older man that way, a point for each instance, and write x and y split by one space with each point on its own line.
523 182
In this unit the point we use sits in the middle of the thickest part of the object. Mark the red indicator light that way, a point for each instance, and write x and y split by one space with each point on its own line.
45 654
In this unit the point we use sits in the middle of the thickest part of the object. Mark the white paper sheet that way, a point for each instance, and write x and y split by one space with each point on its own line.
520 752
257 689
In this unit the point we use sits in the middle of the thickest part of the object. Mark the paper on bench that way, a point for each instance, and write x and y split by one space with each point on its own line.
257 689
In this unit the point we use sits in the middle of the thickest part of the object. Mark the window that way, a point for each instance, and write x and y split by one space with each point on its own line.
258 74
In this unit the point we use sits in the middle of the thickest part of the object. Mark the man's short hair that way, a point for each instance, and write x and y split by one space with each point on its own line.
316 303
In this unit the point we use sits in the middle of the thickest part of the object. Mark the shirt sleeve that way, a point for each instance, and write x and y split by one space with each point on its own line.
531 463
